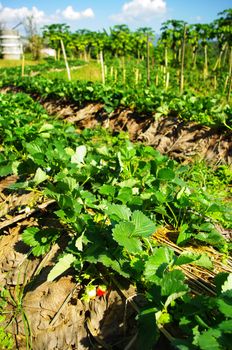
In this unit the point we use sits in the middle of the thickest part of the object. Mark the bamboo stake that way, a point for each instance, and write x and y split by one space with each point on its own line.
181 83
102 67
148 62
179 54
182 61
65 59
206 62
215 82
225 55
136 76
85 56
166 57
226 82
230 76
157 79
218 62
124 75
167 81
123 70
23 64
116 75
164 70
111 71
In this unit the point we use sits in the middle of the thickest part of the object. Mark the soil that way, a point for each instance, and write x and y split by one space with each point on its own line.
55 311
181 140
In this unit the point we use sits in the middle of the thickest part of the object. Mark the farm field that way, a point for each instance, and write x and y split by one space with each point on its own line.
115 195
89 72
12 63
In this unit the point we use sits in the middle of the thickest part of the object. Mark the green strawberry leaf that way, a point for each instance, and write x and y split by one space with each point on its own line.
166 174
173 282
144 227
119 212
123 235
160 259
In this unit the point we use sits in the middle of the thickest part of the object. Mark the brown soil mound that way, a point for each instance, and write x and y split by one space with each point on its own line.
181 140
52 315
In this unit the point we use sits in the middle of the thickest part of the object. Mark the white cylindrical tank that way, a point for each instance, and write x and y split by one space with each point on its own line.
10 44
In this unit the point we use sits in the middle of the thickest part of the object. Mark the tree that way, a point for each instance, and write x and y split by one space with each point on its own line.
121 40
140 40
53 33
165 41
172 33
100 41
82 40
223 26
223 33
205 33
193 39
34 39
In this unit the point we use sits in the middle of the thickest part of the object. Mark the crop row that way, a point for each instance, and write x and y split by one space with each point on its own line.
206 110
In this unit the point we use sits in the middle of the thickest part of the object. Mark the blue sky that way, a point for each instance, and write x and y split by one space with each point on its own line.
99 14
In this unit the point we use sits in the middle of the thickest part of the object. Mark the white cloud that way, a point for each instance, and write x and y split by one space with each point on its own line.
70 14
11 16
140 10
88 13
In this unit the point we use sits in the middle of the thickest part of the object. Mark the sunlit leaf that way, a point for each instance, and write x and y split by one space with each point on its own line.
79 155
61 266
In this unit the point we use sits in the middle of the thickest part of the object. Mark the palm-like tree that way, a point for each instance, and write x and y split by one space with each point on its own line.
193 39
54 33
205 33
140 41
223 33
172 34
121 40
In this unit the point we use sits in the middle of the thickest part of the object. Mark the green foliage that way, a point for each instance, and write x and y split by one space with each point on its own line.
39 240
206 110
112 195
6 340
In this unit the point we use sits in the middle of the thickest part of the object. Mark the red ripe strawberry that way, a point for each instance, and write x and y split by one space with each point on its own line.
101 290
